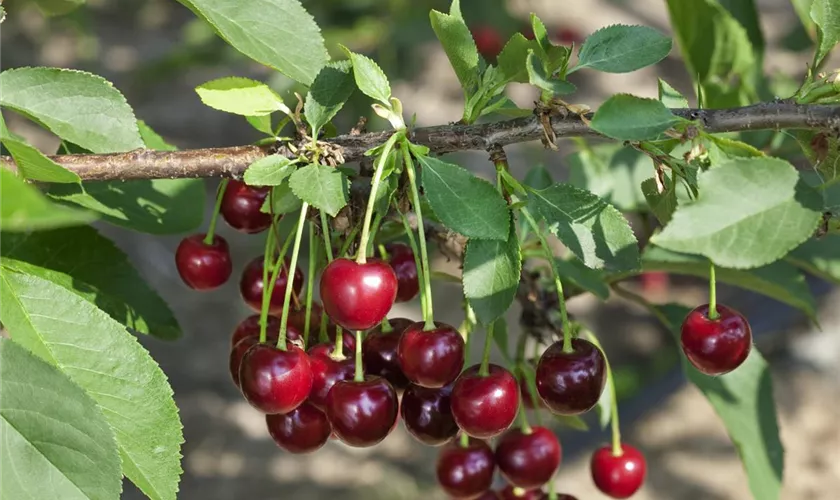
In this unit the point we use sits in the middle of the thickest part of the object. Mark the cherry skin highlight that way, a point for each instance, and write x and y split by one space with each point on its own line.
379 353
618 477
241 206
251 286
528 461
326 371
362 414
275 381
202 266
431 358
302 430
571 383
485 406
401 259
716 346
427 414
358 296
465 472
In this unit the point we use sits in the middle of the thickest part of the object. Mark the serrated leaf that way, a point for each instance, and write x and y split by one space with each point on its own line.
826 15
613 172
538 77
152 140
513 57
538 177
35 166
58 7
585 278
750 212
328 93
463 202
671 97
24 208
56 442
629 118
277 33
240 96
491 275
99 355
370 78
460 48
269 171
283 198
622 49
323 187
661 204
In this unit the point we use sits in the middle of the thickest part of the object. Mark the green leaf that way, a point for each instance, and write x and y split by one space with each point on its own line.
622 49
328 93
277 33
500 337
538 77
24 208
261 124
591 228
513 58
822 149
746 13
629 118
89 264
826 15
107 362
722 149
538 177
671 97
240 96
284 200
269 171
611 171
323 187
463 202
819 256
58 7
491 275
35 166
743 399
152 140
56 443
79 107
460 48
661 204
590 280
750 212
370 78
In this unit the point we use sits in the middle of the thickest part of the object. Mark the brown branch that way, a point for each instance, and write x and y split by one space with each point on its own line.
232 162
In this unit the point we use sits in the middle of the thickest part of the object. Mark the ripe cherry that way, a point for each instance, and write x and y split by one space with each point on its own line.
528 460
618 476
511 492
485 406
571 383
326 371
489 495
362 413
427 414
273 380
302 430
241 206
465 472
431 358
358 296
379 353
251 286
716 346
488 41
203 266
237 352
250 327
401 259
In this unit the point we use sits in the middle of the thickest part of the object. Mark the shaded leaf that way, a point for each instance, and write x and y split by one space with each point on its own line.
269 171
629 118
152 140
24 208
622 49
283 198
671 97
58 7
370 78
613 172
661 204
328 93
513 58
538 77
35 166
538 177
491 275
460 48
323 187
826 15
585 278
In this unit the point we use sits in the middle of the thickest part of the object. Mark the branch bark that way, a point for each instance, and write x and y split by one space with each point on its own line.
232 161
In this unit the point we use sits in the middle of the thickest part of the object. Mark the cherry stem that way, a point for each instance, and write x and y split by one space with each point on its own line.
325 230
617 451
374 187
552 494
524 426
469 328
484 369
417 263
360 372
428 313
270 243
211 229
713 312
465 440
338 350
385 326
377 220
348 241
310 277
290 280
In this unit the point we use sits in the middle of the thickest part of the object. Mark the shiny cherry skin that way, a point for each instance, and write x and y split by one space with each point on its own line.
358 296
431 358
362 414
250 327
401 259
202 266
511 492
379 353
427 414
618 477
302 430
465 472
273 380
237 352
326 371
485 406
571 383
241 206
488 41
530 460
716 346
251 286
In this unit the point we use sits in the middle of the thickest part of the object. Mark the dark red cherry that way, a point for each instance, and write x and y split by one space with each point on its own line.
485 406
571 383
250 327
489 495
379 353
241 206
326 371
716 346
488 41
273 380
362 413
511 492
358 296
237 351
528 460
465 472
427 414
202 266
251 286
431 358
401 259
302 430
621 476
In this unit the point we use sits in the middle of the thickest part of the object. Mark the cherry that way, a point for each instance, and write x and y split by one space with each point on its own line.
250 327
427 414
485 406
401 259
326 371
379 353
465 472
567 35
273 380
528 460
241 206
237 351
511 492
716 346
362 413
251 286
488 41
302 430
203 266
571 383
618 476
358 296
431 358
489 495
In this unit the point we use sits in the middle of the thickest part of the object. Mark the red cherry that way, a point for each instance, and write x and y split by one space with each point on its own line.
275 381
237 351
302 430
401 259
618 477
571 383
489 495
431 358
465 472
362 414
251 286
485 406
358 296
427 414
202 266
250 327
241 206
379 353
567 35
488 41
528 460
716 346
511 492
326 371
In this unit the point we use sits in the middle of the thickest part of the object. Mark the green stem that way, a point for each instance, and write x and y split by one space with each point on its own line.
348 241
270 243
211 230
484 368
465 440
552 493
377 220
374 187
360 372
524 426
428 313
417 263
713 313
385 326
338 350
617 451
310 278
322 332
325 230
290 281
